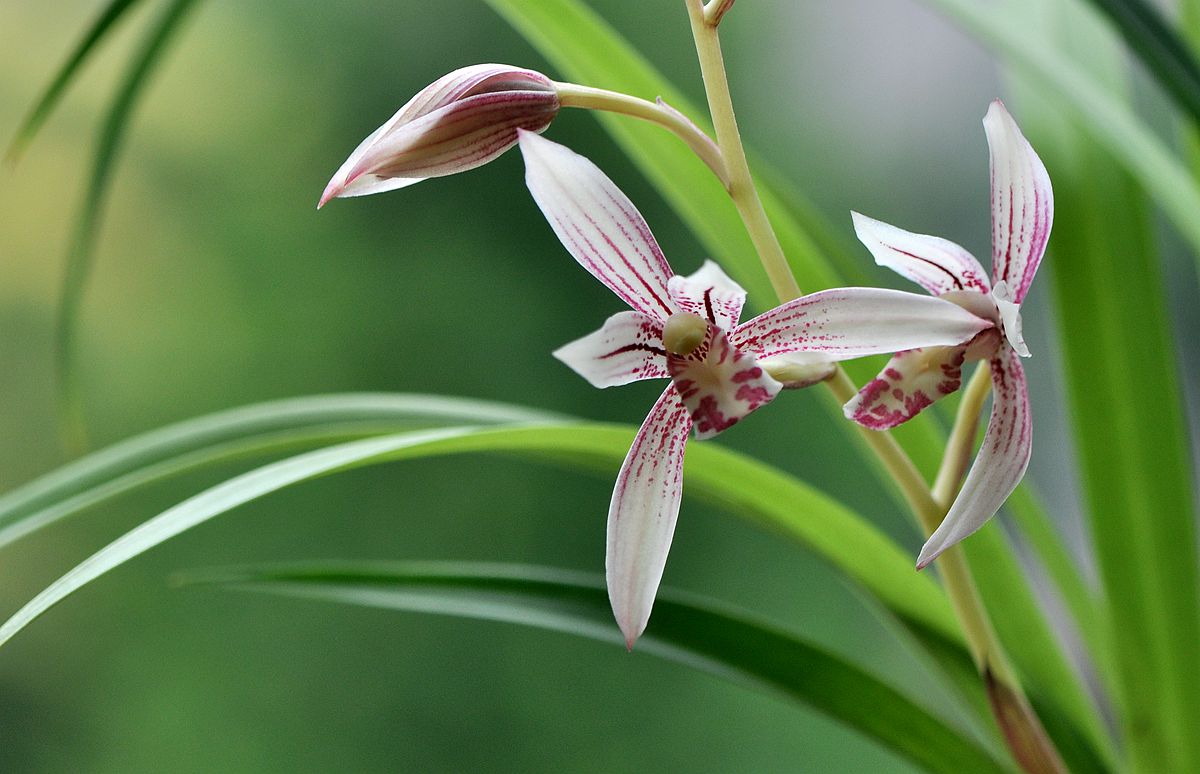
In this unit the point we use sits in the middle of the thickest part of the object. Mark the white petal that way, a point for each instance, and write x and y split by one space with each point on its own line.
798 369
852 322
628 348
936 264
1001 462
911 381
1010 316
641 517
1022 203
709 293
598 225
720 384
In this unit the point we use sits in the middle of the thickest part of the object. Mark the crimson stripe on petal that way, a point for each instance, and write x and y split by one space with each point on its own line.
936 264
598 225
1000 464
628 348
643 511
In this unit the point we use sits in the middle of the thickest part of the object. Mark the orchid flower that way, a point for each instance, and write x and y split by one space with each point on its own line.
685 328
1022 213
461 121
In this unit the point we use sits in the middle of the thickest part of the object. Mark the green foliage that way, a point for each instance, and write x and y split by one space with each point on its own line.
698 633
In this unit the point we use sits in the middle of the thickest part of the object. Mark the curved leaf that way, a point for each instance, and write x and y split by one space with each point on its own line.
769 497
698 633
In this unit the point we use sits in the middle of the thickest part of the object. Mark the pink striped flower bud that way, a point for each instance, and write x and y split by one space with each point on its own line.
460 121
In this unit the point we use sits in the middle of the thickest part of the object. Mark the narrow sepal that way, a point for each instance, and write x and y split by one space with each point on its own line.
1000 464
854 322
598 225
1022 203
911 381
641 517
936 264
627 349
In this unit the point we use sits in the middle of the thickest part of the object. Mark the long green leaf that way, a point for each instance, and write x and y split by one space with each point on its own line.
132 457
582 47
698 633
49 99
1091 107
1164 53
1135 462
79 251
775 500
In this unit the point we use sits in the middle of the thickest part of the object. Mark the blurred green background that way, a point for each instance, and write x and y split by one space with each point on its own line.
218 284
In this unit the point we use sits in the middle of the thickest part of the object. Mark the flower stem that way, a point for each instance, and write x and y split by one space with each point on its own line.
574 95
1026 738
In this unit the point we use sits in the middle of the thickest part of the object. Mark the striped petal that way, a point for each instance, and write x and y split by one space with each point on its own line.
1001 462
911 381
628 348
720 384
709 293
854 322
641 517
598 225
1022 203
936 264
459 122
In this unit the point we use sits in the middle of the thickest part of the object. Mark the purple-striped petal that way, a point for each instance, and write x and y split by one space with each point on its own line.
854 322
709 293
598 225
936 264
628 348
1001 462
641 517
911 381
459 122
1022 203
720 384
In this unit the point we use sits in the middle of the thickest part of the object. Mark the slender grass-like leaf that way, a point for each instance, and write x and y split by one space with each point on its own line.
698 633
582 47
1166 55
83 236
49 98
768 497
1091 107
132 457
1128 422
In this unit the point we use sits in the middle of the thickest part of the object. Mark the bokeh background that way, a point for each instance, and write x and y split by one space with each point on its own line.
217 284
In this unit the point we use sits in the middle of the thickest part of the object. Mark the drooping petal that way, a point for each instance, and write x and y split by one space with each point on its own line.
1010 317
911 381
641 517
628 348
1022 203
709 293
720 384
853 322
460 121
598 225
1001 462
936 264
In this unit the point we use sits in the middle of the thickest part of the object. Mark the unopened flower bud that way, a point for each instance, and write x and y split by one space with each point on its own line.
460 121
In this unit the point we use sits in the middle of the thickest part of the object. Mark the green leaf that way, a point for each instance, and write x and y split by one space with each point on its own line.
1165 54
49 99
698 633
581 46
258 428
1091 107
79 251
1135 462
766 496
